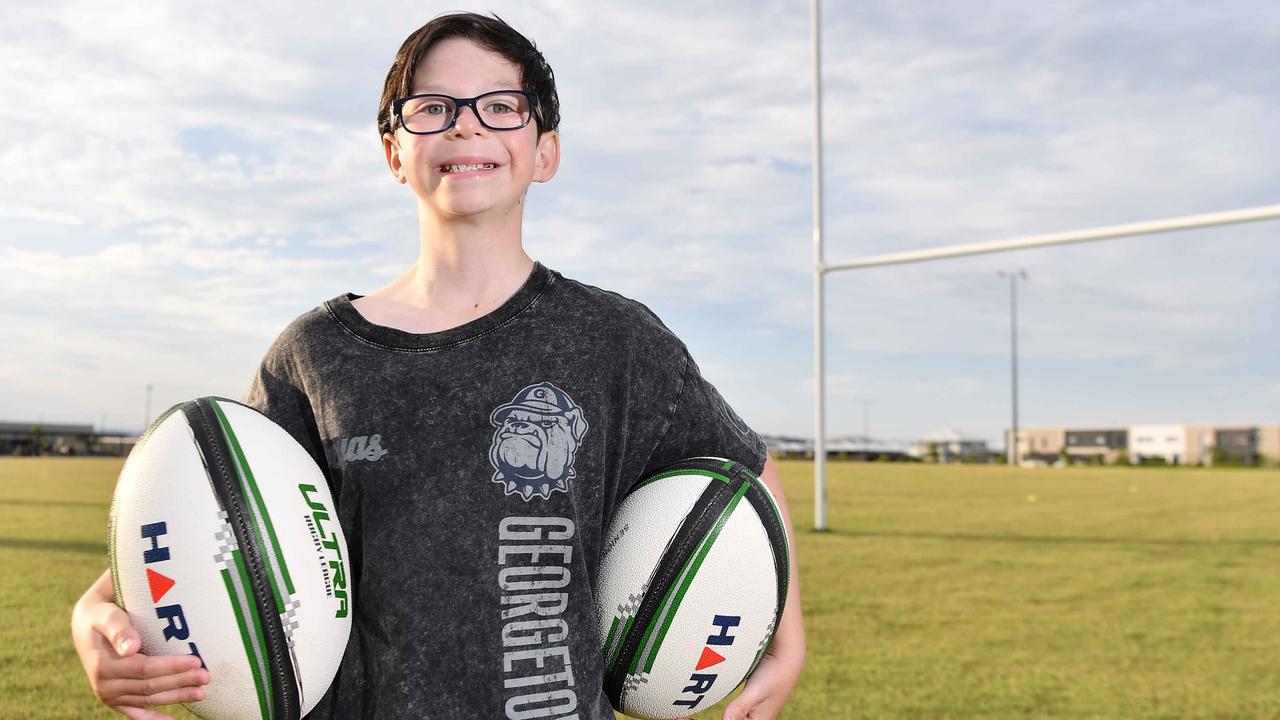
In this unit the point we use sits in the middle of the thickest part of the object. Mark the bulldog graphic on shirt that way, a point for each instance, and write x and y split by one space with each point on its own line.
535 439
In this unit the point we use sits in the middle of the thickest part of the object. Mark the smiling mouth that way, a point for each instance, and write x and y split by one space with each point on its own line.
447 169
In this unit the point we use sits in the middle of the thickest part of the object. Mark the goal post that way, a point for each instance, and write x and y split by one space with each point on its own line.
1108 232
821 267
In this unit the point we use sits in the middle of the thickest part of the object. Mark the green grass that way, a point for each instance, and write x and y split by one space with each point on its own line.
939 592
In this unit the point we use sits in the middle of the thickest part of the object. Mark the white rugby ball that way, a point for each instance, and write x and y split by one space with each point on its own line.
693 579
225 544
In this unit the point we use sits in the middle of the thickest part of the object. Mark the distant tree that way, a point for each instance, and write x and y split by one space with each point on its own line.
37 433
931 455
1122 458
1065 457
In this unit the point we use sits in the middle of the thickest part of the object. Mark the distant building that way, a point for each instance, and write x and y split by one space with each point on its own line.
1169 442
859 447
26 438
1044 444
1103 444
784 446
44 438
1237 444
951 445
852 447
1269 443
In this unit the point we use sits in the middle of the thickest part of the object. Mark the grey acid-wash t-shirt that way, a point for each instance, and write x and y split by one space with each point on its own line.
475 470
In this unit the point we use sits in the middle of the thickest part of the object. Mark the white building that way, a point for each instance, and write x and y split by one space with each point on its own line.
1158 441
1181 444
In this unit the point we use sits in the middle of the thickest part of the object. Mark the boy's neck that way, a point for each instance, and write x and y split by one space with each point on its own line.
457 260
463 272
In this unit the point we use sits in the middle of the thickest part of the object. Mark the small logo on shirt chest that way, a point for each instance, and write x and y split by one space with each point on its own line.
360 447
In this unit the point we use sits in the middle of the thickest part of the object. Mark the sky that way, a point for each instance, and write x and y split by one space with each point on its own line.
178 181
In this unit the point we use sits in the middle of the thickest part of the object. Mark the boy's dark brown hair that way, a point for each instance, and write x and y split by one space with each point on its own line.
490 33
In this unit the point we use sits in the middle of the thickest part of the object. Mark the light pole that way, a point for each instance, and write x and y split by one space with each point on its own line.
1011 447
866 418
146 422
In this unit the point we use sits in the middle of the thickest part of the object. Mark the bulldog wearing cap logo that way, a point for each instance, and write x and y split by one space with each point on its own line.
537 435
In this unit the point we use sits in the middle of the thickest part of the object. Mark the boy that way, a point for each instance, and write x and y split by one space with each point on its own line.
478 392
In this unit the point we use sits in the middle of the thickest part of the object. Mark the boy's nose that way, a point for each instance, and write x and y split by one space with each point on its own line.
468 116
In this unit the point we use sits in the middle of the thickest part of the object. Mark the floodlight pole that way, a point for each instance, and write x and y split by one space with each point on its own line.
866 403
819 370
146 419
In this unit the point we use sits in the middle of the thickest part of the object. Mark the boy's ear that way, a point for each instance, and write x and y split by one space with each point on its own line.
546 157
392 150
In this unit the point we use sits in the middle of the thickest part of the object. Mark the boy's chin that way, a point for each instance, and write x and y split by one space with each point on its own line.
465 208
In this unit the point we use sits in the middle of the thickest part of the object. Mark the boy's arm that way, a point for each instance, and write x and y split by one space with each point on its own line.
772 682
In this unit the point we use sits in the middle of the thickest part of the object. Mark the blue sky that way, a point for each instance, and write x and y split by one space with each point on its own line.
179 182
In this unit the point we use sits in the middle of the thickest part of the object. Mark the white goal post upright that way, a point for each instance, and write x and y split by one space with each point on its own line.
819 375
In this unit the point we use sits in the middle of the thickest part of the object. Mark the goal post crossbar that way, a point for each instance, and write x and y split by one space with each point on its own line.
1148 227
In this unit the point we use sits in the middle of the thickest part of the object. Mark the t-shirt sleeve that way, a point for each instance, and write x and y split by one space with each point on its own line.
274 392
703 424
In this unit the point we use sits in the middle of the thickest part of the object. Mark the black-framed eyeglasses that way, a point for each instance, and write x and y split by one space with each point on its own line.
432 113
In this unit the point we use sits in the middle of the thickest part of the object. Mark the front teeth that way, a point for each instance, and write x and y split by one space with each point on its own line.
468 168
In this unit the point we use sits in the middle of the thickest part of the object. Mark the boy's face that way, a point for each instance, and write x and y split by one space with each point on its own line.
463 69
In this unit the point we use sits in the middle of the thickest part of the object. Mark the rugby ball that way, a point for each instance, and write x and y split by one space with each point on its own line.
224 544
693 579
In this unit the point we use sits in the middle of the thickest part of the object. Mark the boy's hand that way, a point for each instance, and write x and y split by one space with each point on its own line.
121 677
768 687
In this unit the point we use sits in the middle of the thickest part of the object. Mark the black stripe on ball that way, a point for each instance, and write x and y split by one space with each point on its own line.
226 487
704 513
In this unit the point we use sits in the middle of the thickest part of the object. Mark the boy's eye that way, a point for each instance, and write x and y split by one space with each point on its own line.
499 108
435 108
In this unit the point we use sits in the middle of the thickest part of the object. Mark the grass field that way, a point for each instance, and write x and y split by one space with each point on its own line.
940 592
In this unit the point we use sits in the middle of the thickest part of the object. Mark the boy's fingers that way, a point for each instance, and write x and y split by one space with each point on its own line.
126 687
168 697
741 707
143 667
113 624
